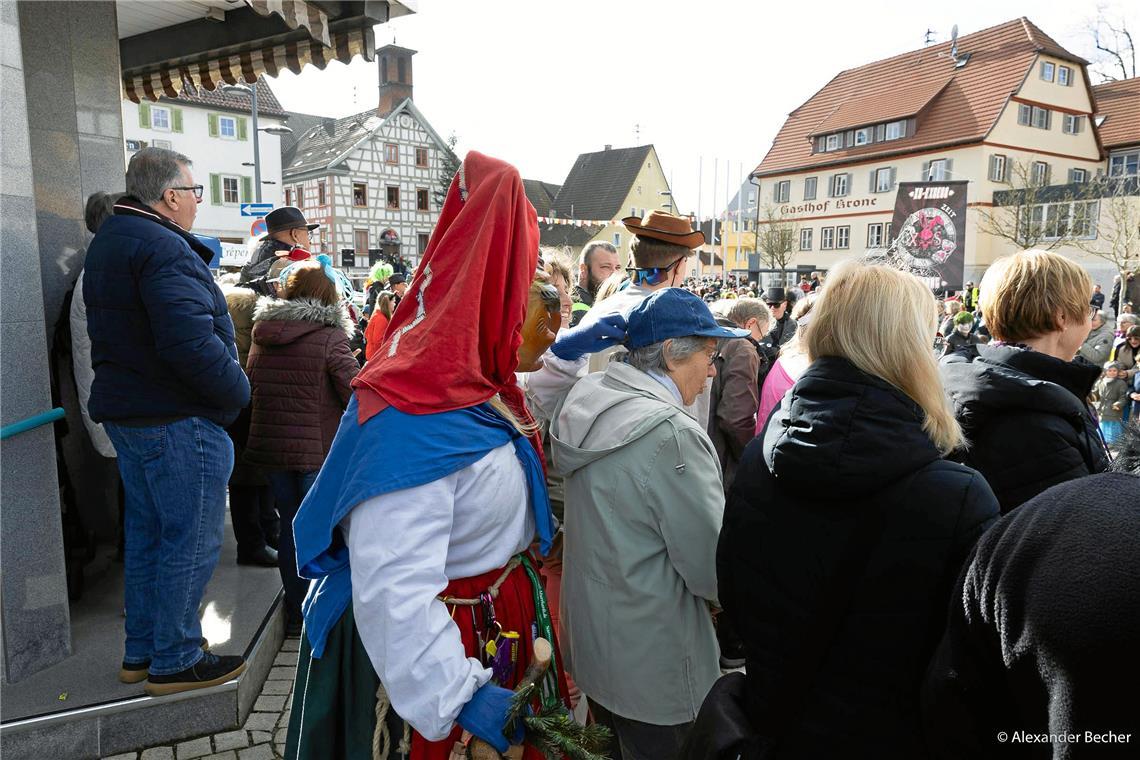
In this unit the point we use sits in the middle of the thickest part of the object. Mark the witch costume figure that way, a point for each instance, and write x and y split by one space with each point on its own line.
425 601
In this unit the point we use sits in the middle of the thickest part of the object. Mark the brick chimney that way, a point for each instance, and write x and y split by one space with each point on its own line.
395 77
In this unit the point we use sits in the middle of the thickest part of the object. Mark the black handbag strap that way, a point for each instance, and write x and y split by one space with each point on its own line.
800 673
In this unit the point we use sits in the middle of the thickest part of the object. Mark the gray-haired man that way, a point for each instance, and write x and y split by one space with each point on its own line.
166 382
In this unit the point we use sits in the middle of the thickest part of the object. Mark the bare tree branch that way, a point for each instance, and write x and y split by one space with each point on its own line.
776 238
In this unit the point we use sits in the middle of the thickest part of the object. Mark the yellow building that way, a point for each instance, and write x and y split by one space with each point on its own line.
601 189
1001 107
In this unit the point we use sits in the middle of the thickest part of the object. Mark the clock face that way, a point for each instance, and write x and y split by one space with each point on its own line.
405 120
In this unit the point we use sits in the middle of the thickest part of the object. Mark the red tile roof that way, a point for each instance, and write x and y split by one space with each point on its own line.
1119 103
953 106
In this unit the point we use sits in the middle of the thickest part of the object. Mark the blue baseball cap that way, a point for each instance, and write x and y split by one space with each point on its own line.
673 313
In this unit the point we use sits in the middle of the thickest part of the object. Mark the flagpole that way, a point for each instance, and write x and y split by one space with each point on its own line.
723 241
700 173
712 243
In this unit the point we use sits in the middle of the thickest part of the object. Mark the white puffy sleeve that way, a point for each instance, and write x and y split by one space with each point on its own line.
398 545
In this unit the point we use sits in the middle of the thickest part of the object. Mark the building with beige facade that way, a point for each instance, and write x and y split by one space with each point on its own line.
1003 108
602 188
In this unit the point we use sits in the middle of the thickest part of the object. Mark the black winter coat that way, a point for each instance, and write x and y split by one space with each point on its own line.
1043 630
842 445
162 343
1026 417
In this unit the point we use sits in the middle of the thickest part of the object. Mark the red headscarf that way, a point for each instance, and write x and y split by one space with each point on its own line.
453 341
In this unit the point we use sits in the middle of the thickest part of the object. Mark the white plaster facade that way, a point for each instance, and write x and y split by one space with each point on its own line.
186 127
347 223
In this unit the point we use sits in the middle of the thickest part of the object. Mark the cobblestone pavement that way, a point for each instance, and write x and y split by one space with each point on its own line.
263 735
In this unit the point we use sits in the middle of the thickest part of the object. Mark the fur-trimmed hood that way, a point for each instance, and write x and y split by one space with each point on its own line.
277 321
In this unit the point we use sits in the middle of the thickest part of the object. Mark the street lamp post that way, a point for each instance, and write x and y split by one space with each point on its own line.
252 93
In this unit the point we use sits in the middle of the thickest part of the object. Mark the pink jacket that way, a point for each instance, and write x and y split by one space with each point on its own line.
776 384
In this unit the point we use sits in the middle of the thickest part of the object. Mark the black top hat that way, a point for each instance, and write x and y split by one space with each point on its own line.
775 295
286 218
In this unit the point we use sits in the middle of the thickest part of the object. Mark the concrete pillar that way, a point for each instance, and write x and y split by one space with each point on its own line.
62 139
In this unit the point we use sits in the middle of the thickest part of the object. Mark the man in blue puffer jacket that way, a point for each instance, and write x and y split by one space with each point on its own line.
166 382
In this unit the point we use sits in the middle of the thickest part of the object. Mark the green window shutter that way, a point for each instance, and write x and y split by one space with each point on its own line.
241 128
176 119
144 115
212 120
246 190
215 189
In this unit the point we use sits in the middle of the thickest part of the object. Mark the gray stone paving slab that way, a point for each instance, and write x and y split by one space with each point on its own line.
270 703
286 658
277 687
283 673
193 748
231 740
262 721
124 756
231 755
291 645
260 737
158 753
260 752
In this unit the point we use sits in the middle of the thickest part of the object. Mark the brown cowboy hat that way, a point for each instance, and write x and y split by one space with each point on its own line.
670 228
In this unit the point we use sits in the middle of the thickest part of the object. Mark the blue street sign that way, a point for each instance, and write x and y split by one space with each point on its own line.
256 209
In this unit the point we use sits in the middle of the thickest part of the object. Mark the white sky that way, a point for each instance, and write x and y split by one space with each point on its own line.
536 83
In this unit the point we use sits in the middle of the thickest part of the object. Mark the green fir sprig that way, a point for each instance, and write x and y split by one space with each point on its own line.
557 735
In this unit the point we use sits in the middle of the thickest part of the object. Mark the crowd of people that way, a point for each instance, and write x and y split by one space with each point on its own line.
913 525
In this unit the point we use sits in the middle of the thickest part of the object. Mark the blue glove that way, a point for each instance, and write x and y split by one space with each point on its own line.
589 338
486 715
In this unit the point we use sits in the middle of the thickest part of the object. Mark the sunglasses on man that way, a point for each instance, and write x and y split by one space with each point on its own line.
652 275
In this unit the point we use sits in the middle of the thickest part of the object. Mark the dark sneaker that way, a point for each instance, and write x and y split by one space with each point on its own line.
263 557
211 670
137 672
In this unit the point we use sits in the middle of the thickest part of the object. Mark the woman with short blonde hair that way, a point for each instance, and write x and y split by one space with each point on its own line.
845 528
1021 400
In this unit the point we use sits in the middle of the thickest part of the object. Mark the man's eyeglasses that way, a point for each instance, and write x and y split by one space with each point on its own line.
775 305
198 190
652 275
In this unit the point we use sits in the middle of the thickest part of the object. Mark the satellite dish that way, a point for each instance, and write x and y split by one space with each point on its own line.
954 42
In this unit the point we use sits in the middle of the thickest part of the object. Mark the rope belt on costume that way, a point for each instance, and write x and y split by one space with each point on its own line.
381 737
493 590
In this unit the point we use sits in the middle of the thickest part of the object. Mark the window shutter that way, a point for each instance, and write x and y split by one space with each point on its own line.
1072 178
850 181
948 169
1079 126
144 115
241 128
874 176
215 189
1048 171
246 190
893 174
880 132
925 170
176 119
850 138
1048 119
819 144
831 186
212 124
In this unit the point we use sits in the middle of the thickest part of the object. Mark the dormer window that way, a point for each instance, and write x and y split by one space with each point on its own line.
863 136
834 142
895 130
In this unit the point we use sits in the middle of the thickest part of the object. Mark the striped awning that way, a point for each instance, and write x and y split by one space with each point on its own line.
245 63
296 13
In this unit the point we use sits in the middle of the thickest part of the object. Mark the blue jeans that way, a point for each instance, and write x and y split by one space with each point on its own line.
175 478
289 489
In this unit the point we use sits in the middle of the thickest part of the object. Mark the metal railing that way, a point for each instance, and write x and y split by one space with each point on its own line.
31 423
